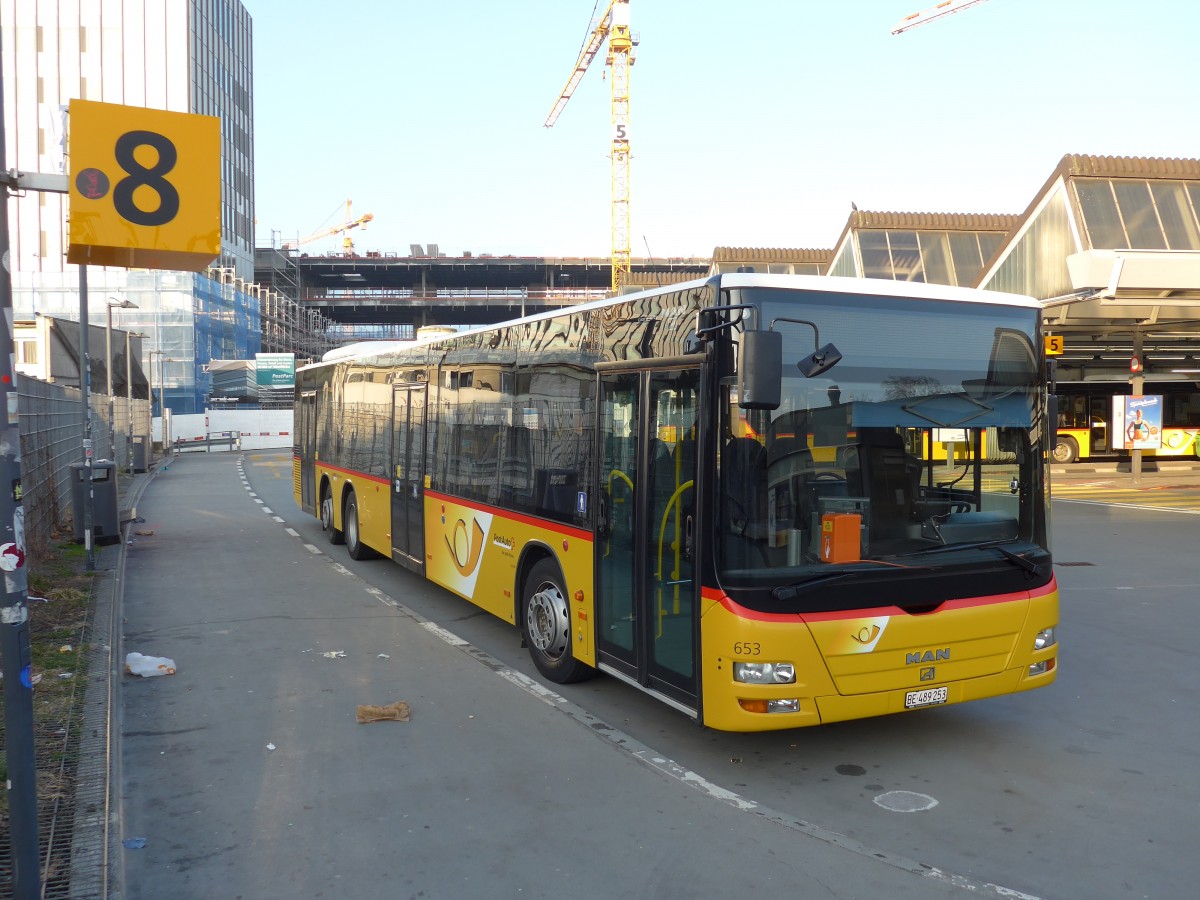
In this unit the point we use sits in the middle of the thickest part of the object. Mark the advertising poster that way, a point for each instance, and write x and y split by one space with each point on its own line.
276 371
1138 422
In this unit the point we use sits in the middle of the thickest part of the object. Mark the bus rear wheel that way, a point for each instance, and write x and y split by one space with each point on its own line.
546 621
354 545
1065 450
335 536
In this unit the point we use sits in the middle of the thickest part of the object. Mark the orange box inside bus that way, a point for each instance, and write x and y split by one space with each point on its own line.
841 536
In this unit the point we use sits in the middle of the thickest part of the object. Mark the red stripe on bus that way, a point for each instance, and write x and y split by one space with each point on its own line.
577 533
362 475
836 615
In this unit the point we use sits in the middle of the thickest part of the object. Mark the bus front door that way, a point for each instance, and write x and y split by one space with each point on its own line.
408 476
647 627
1098 422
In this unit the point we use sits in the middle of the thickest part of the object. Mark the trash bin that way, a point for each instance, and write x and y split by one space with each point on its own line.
106 518
138 459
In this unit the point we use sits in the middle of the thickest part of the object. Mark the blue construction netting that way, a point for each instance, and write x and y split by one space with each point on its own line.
227 326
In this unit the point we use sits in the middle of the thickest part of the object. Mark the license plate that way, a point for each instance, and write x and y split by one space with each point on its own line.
927 697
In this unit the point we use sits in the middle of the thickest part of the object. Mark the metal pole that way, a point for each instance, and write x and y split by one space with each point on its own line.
85 383
15 655
108 359
128 404
1137 383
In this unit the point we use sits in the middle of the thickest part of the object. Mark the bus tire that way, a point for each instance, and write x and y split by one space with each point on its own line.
354 545
334 535
546 622
1065 450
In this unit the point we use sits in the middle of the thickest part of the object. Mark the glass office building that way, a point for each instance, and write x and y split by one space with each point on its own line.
192 56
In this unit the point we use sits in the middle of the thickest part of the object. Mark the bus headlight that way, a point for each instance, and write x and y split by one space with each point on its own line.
1045 638
764 673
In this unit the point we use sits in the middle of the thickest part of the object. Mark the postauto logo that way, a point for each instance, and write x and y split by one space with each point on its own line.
465 533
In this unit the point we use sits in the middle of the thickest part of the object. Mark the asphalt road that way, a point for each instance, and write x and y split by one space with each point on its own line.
501 787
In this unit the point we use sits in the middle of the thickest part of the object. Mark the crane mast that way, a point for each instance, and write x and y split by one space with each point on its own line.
613 24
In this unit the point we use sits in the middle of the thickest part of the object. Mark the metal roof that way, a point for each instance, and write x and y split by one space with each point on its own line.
771 255
927 221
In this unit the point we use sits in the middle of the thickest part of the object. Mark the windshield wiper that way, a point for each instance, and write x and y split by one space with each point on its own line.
791 591
998 545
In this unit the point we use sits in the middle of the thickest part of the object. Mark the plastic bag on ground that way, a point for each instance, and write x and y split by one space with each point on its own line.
147 666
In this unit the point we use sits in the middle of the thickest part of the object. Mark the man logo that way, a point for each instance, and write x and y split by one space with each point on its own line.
928 656
465 550
927 674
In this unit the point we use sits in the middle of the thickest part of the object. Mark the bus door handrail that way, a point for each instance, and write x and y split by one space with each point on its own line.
615 473
676 499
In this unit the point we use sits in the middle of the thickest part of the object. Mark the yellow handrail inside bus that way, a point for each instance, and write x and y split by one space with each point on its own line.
675 500
615 473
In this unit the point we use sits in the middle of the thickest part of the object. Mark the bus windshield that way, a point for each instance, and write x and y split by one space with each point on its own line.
919 452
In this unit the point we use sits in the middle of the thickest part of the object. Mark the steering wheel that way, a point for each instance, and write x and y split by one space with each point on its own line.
827 477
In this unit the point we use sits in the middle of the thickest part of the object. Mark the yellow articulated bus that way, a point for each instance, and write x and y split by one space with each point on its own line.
719 492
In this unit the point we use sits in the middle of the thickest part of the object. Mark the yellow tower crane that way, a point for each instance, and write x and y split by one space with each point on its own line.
925 16
346 225
613 24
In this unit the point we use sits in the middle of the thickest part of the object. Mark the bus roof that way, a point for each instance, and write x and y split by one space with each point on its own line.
830 284
839 284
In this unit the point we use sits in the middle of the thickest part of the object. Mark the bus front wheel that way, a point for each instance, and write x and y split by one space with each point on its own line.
1065 450
335 536
547 625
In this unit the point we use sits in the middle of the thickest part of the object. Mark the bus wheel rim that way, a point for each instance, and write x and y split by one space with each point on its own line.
548 621
327 513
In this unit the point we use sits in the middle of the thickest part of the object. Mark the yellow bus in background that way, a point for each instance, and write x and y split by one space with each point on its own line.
1085 411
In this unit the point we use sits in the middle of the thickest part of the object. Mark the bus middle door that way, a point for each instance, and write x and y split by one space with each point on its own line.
408 475
645 572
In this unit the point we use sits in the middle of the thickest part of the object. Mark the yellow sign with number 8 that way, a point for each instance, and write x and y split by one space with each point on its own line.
145 187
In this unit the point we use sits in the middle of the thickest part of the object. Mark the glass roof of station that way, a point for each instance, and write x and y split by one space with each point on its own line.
924 247
1141 214
1098 203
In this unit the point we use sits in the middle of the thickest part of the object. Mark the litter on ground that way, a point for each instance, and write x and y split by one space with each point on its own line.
393 712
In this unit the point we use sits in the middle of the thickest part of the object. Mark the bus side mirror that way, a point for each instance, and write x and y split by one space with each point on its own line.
760 369
822 360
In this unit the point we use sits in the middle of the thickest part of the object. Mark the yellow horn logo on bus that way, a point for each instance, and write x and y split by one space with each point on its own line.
465 550
866 635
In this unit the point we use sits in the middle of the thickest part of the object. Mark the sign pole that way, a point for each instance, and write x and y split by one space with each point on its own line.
1136 385
85 383
15 655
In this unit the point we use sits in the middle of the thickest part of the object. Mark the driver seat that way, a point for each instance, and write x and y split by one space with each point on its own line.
890 478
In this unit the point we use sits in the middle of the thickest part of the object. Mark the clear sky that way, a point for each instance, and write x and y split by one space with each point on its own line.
754 123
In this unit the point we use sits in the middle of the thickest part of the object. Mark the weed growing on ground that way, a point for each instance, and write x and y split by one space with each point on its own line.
60 597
